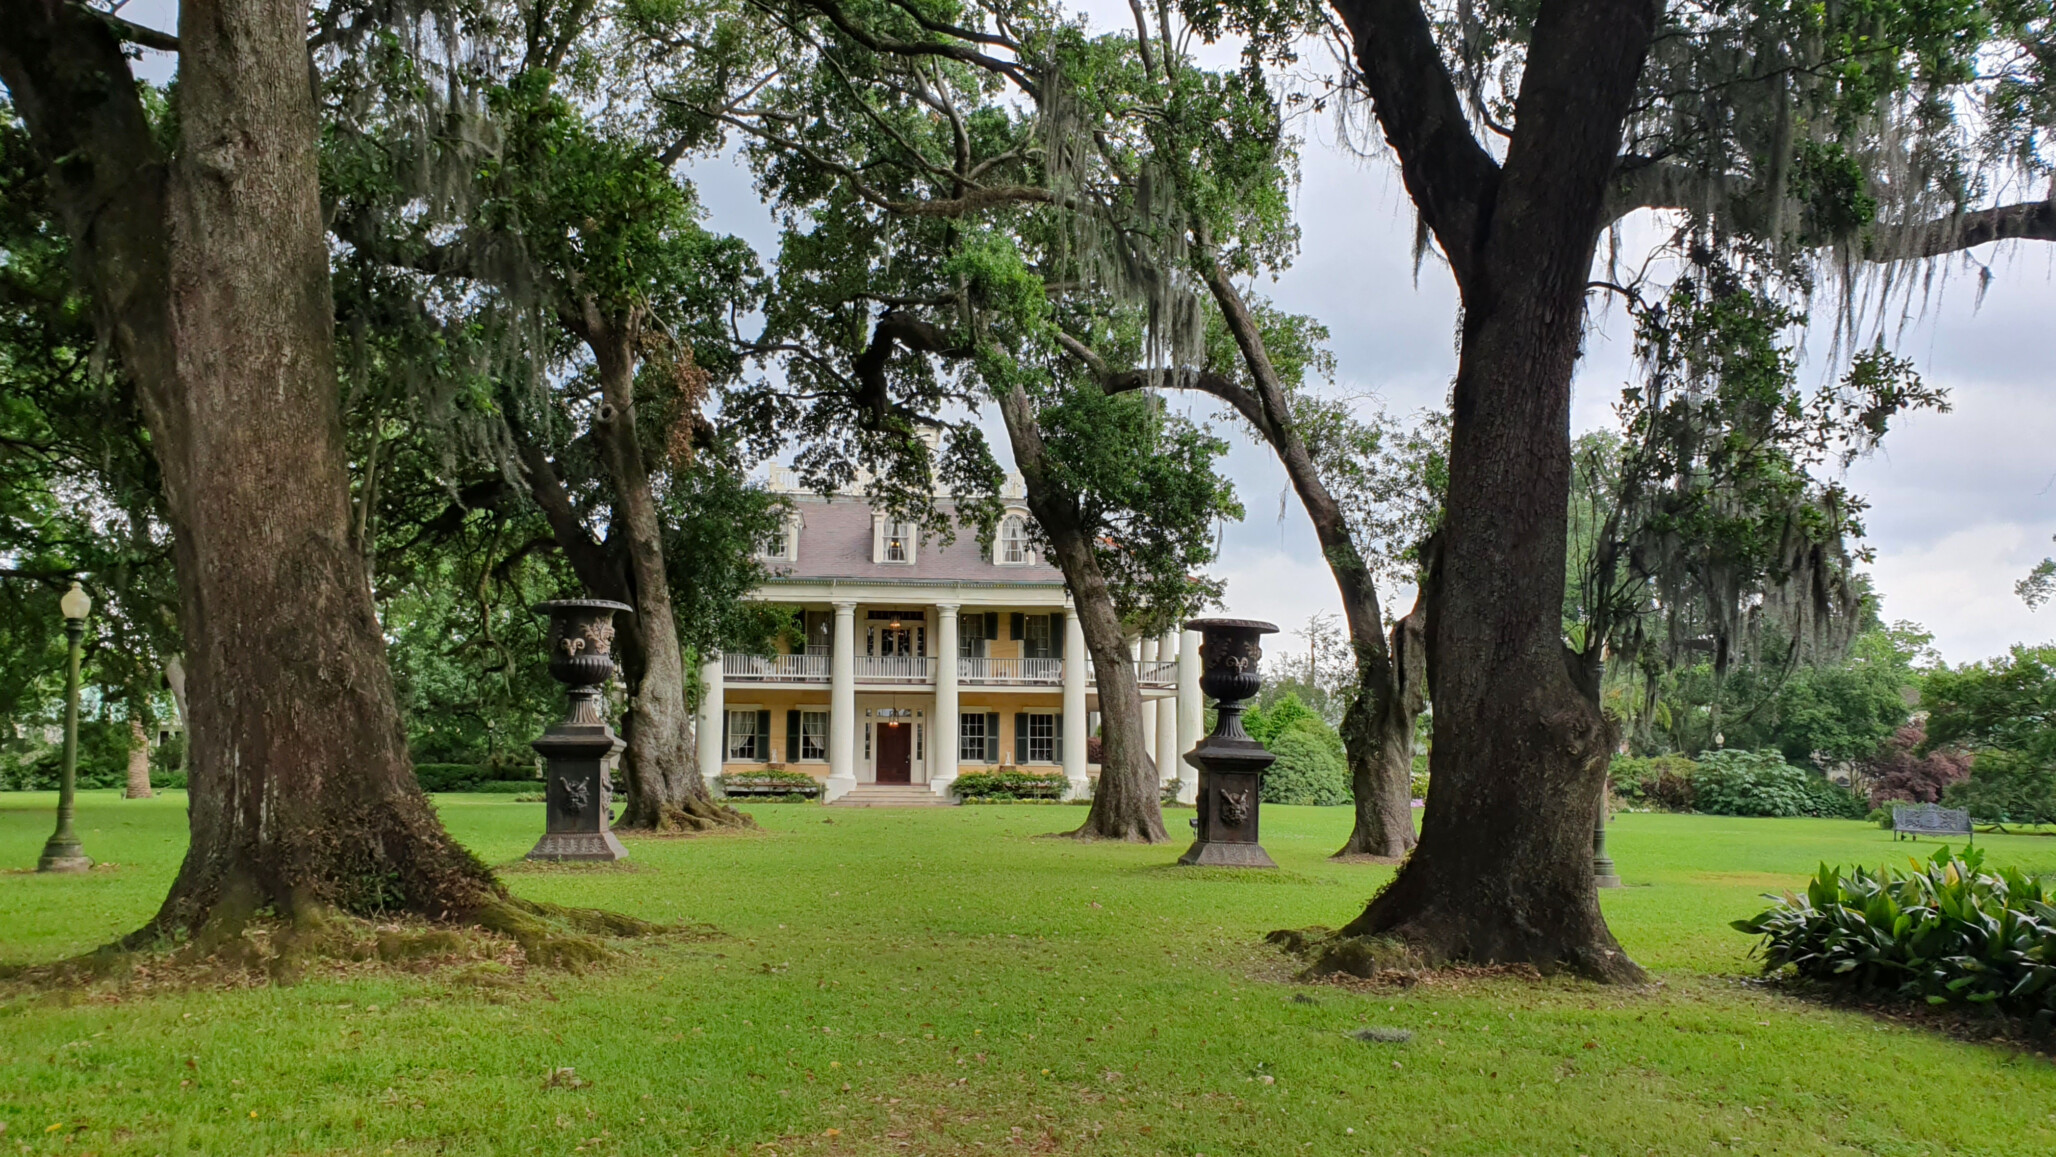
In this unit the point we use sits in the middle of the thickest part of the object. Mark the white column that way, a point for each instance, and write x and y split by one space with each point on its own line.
710 717
942 750
1075 721
1146 652
1167 719
842 705
1191 714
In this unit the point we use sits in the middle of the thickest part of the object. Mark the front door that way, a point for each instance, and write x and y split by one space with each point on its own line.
895 752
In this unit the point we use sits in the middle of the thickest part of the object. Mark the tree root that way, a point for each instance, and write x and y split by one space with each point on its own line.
689 817
1329 953
240 947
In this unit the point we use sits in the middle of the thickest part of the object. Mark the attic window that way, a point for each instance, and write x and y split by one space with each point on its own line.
1013 541
899 542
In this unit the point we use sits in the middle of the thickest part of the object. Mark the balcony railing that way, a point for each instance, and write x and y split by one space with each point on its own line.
1019 672
894 669
1157 672
774 668
1154 674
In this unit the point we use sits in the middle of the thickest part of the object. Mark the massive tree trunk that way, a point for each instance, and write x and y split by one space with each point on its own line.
1127 804
1503 872
660 760
210 272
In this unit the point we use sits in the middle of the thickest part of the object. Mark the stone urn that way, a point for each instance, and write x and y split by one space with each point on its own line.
579 753
1231 764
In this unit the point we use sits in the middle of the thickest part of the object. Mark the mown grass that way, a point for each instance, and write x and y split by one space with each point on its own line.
942 982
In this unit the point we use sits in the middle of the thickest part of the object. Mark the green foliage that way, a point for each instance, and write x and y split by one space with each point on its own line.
2004 711
1310 769
1947 932
769 782
1009 784
1265 724
448 776
1761 783
1663 781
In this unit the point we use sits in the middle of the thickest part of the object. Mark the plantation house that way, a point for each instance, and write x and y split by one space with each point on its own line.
921 661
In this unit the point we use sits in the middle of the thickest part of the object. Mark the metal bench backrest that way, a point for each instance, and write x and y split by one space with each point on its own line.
1929 820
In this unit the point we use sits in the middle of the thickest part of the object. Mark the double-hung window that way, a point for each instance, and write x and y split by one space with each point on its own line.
814 735
745 740
899 542
1013 541
1040 744
971 737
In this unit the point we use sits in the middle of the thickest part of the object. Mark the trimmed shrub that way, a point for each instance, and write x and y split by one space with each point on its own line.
2005 787
1310 769
1761 783
168 780
1947 932
447 776
1663 781
1010 783
505 786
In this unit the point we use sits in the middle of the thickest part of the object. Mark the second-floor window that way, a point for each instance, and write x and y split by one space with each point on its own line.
778 544
1037 641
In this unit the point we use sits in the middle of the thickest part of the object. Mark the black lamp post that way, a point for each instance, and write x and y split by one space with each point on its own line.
1231 764
579 752
63 853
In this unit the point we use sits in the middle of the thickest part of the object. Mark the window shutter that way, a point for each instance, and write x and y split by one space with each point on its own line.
763 748
1056 636
1056 731
792 737
992 626
1020 737
992 737
1018 629
724 741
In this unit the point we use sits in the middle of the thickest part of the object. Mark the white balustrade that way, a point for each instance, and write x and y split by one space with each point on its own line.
774 668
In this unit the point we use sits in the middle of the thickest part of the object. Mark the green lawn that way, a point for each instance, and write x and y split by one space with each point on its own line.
940 982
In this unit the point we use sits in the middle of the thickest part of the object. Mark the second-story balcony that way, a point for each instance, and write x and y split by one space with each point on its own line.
895 669
1152 674
774 668
1011 672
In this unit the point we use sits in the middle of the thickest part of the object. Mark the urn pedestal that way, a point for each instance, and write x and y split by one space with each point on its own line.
578 754
1231 764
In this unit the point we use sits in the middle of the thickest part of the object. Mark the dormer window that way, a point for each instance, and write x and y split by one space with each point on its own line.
895 542
1013 541
782 544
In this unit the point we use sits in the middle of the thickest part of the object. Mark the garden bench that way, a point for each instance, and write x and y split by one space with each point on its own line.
1928 820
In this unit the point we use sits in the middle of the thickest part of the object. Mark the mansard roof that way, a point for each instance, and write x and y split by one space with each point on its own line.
835 542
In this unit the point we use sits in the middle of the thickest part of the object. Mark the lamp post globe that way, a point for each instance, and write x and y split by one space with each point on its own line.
62 853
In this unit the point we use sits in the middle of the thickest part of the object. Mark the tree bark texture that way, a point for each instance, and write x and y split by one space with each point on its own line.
660 758
1378 734
1127 803
210 272
1503 872
138 760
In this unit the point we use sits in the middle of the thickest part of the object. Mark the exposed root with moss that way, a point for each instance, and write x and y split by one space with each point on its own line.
241 947
691 815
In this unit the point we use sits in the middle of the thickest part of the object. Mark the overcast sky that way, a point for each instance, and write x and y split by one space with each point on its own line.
1963 504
